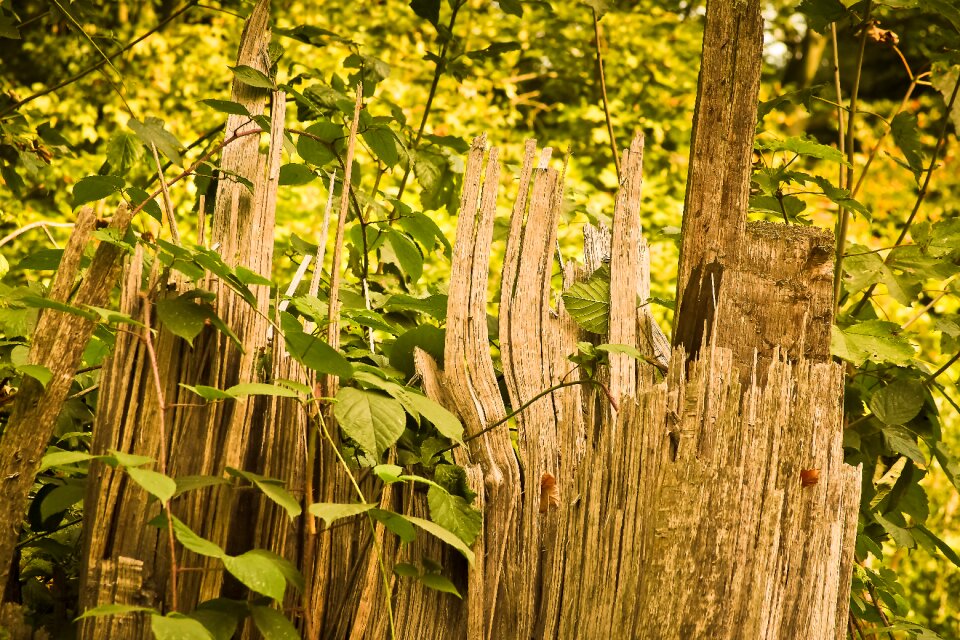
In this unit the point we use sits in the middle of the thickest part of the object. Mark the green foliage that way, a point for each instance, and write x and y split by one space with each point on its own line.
83 145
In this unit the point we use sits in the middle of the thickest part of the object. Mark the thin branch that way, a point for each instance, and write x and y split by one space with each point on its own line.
844 218
161 419
941 142
603 92
930 305
936 374
34 225
437 72
16 105
167 202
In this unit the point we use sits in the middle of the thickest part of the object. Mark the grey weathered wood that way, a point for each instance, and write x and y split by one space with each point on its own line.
58 344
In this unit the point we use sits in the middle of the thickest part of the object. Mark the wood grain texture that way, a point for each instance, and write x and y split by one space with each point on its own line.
58 344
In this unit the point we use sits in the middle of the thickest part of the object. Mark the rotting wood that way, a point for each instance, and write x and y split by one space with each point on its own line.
58 344
718 183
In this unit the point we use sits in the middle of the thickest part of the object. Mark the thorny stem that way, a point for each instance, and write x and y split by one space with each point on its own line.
437 72
162 462
876 605
94 67
844 218
603 93
921 196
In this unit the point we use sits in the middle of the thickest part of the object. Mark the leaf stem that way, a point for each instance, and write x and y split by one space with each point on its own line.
844 215
921 196
438 71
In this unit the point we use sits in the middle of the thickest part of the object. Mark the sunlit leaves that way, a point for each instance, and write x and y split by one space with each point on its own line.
152 131
454 514
372 420
330 512
906 135
588 302
252 77
93 188
874 340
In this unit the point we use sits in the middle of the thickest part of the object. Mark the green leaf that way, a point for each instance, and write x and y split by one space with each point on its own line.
493 51
124 151
435 305
156 484
437 582
183 317
443 534
383 143
897 403
152 131
873 340
372 420
111 610
176 626
906 134
445 422
273 625
317 355
405 254
842 197
287 568
318 147
257 572
429 10
38 372
398 524
425 336
260 389
226 106
454 514
194 542
222 625
192 483
903 442
588 302
271 488
946 10
330 512
93 188
208 393
820 13
945 549
126 459
296 174
388 473
406 570
252 77
803 147
900 536
60 498
63 458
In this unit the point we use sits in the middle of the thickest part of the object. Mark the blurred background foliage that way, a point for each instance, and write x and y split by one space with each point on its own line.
513 70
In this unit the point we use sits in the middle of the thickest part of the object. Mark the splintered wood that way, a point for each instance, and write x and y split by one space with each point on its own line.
689 512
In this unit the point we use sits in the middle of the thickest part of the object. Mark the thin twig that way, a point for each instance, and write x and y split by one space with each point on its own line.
603 92
440 67
34 225
922 195
844 214
161 419
936 374
167 202
333 326
930 305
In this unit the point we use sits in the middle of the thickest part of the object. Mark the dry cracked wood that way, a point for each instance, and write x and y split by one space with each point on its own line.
58 344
